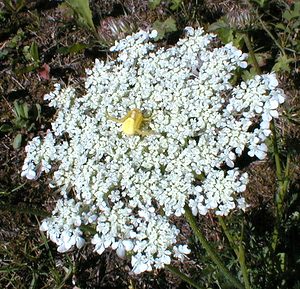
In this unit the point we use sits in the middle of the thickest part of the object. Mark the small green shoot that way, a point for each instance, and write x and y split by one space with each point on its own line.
294 13
83 13
164 27
24 118
261 3
17 142
226 33
14 6
12 44
31 53
174 4
72 49
153 3
282 64
21 119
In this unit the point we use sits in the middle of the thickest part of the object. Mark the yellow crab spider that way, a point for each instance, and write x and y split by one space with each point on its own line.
132 122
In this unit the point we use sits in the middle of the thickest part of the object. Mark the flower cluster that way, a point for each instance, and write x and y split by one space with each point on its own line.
129 188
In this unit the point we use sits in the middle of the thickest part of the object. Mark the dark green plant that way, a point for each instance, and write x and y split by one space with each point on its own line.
13 44
173 4
83 14
31 54
24 119
164 27
13 6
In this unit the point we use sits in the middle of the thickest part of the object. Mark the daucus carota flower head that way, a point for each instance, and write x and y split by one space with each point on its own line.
127 187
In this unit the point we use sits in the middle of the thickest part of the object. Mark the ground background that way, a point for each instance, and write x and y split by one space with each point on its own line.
45 42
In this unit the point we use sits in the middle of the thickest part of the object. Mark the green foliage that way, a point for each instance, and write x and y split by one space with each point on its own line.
174 4
83 12
226 33
24 118
75 48
153 3
14 43
35 257
17 142
164 27
290 14
15 52
282 64
21 111
286 38
261 3
14 6
31 52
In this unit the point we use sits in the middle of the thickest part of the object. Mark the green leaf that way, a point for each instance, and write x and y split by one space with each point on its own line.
26 69
153 3
75 48
280 26
3 54
261 3
282 64
25 108
14 6
83 11
34 52
38 110
19 5
21 111
225 32
249 74
17 141
17 39
175 4
167 26
294 13
6 127
18 109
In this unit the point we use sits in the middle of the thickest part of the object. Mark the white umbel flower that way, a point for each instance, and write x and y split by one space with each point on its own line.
127 187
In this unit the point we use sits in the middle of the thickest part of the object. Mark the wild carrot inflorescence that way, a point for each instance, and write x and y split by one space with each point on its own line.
127 187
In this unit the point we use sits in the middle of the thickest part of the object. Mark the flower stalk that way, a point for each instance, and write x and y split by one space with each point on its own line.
252 54
210 250
183 277
283 183
238 250
24 210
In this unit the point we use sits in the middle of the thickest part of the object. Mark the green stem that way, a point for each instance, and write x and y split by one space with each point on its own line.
183 277
242 260
210 250
239 251
252 54
283 182
24 210
278 203
228 236
276 154
270 34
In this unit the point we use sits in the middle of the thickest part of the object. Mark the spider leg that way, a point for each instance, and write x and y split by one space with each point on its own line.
148 118
119 120
144 132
